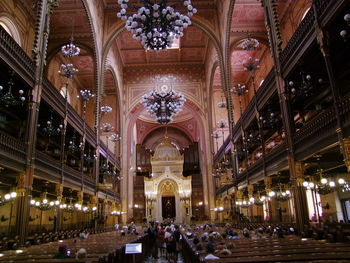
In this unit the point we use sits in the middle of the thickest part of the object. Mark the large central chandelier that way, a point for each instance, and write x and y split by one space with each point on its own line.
156 24
164 105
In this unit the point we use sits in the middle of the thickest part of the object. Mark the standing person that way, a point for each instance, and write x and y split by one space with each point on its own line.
170 244
177 237
152 232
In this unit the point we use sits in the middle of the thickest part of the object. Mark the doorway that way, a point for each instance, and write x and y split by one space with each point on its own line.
168 207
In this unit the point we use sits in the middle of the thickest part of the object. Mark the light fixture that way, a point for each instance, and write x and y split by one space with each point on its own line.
222 124
85 95
70 50
7 99
155 24
72 146
344 34
44 204
50 130
305 87
115 137
251 64
249 44
68 70
9 197
270 120
222 104
106 109
106 127
239 90
164 105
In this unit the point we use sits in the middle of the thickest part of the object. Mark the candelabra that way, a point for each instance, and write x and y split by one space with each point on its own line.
251 64
44 204
305 87
325 186
9 197
50 130
7 99
270 120
72 146
156 25
68 71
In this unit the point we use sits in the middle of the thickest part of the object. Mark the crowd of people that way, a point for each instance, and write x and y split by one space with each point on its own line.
165 240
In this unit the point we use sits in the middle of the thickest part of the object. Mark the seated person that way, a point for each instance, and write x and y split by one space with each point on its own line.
62 252
83 235
81 253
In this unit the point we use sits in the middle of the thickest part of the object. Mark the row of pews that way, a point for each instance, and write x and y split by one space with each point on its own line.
267 248
37 239
108 247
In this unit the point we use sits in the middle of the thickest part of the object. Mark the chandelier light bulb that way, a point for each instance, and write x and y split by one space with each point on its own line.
341 181
7 196
13 195
324 181
32 202
332 184
272 194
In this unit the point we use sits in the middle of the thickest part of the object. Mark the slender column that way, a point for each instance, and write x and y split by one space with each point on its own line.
58 212
272 26
251 195
323 42
25 182
268 185
239 198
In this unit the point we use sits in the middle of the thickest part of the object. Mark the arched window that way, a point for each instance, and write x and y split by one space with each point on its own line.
10 28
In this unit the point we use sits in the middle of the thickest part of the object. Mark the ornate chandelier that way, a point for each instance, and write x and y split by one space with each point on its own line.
70 50
7 98
249 44
163 105
156 24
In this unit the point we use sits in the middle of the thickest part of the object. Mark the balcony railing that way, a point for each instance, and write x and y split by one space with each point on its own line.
16 57
299 42
12 148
